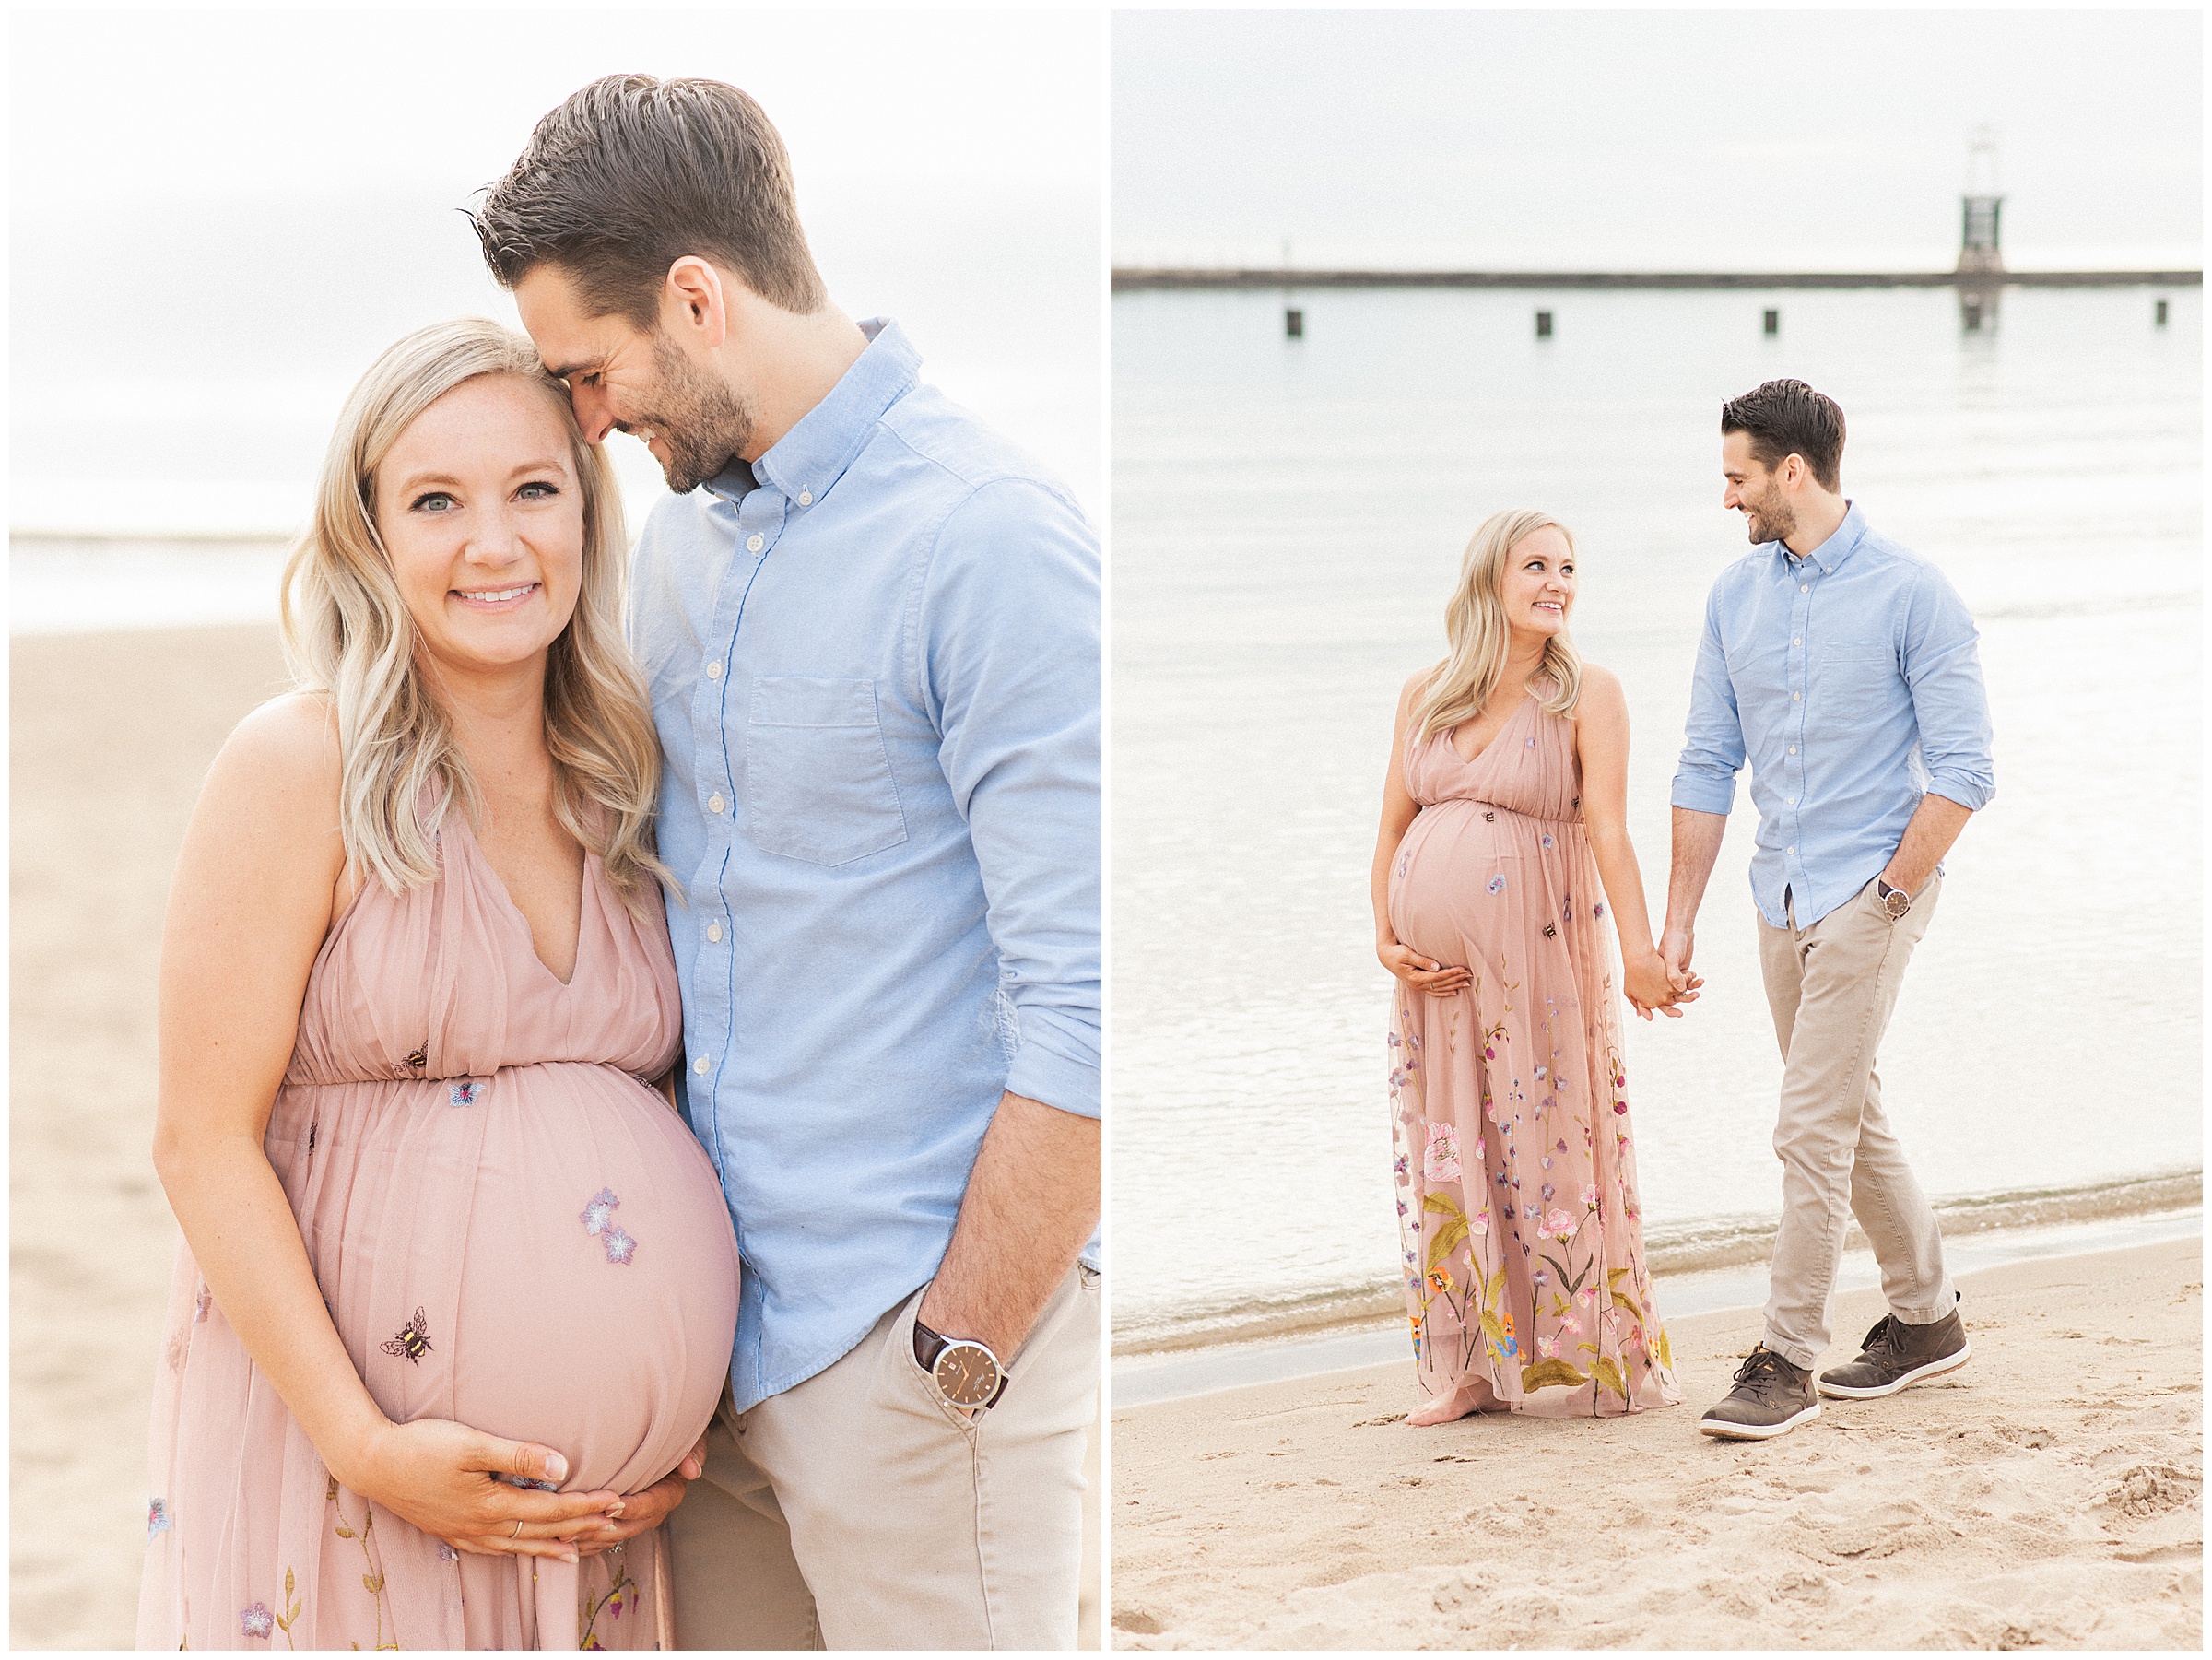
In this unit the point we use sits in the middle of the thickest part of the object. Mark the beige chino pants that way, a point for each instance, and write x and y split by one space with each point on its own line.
1833 987
858 1511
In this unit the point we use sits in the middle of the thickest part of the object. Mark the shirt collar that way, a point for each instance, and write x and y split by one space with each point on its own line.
808 460
1842 542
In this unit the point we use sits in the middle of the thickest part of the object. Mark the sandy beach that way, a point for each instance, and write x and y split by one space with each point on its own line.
110 737
2049 1493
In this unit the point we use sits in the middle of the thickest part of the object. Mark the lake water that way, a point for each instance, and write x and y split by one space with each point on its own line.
1288 519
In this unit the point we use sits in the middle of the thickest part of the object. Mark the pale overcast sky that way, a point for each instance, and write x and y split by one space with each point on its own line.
1753 139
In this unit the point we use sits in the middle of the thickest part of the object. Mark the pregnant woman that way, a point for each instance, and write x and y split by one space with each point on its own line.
456 1280
1504 806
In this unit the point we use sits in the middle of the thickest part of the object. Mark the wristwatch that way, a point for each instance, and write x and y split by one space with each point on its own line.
1895 900
966 1373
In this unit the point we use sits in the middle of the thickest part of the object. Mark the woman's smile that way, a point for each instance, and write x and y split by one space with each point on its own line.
497 599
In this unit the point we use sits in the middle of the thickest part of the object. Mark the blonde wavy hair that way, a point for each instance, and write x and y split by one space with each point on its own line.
1476 629
347 635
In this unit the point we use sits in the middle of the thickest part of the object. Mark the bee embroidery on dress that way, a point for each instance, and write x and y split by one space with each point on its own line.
419 1059
1488 817
464 1094
413 1342
311 1134
1551 931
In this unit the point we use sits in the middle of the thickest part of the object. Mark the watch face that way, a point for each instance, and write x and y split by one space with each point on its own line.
966 1373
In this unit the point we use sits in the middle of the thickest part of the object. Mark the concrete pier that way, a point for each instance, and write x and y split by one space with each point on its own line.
1127 278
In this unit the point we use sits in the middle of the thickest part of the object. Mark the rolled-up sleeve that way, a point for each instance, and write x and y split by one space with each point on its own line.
1943 669
1010 635
1712 748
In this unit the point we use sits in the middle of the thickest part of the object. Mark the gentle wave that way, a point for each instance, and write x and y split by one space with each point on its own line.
1721 1242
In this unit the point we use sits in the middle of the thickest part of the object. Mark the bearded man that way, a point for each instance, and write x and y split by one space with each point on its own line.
1843 667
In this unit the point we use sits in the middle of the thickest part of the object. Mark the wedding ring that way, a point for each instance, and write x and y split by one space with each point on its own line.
518 1530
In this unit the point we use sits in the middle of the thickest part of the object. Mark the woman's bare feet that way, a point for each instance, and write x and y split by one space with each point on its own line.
1444 1409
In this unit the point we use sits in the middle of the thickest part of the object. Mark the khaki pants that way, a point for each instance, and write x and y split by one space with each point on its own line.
858 1511
1832 988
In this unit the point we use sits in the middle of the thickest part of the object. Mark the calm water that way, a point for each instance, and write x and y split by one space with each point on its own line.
1289 517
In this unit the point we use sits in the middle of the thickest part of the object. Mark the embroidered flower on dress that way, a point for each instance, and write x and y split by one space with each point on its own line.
255 1619
1497 884
1589 1192
463 1094
1547 1348
1547 838
446 1553
1559 1225
156 1519
597 1212
1441 1162
1479 1223
200 1305
619 1245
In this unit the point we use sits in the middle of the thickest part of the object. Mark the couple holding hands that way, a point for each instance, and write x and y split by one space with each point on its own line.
1843 669
630 1039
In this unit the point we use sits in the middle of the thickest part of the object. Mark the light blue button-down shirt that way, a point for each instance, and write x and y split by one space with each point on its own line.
1850 681
874 663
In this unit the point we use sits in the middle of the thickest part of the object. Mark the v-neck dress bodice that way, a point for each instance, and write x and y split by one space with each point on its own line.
509 1228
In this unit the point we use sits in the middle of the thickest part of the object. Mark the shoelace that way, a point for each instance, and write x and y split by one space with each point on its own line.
1880 1338
1759 1361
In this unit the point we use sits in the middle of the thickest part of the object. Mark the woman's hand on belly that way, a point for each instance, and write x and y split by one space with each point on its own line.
1423 973
643 1511
443 1476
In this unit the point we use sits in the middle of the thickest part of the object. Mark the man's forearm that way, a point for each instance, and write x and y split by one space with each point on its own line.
1935 824
1696 849
1033 1201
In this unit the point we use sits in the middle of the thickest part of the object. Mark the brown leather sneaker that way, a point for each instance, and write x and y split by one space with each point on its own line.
1895 1356
1770 1397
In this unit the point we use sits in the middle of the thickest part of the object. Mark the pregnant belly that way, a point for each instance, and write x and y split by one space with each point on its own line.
1440 903
549 1260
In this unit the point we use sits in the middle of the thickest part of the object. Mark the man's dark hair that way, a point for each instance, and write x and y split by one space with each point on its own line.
1788 417
632 173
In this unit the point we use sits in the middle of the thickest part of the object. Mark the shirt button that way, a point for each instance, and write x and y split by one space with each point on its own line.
755 543
713 804
1802 587
714 932
1793 749
1793 800
713 671
700 1065
1797 641
805 498
1792 855
1795 697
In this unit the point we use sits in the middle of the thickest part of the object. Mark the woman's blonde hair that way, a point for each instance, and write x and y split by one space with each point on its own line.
1475 629
348 634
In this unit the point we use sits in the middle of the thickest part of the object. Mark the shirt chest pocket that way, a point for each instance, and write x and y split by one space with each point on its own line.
817 778
1854 680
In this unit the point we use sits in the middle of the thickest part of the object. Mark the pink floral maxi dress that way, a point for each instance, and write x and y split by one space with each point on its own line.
510 1228
1518 1213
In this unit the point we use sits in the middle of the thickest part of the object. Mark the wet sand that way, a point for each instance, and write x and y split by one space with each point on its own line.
2048 1494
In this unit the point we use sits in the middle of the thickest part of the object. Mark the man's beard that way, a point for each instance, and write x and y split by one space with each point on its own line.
1770 518
704 424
